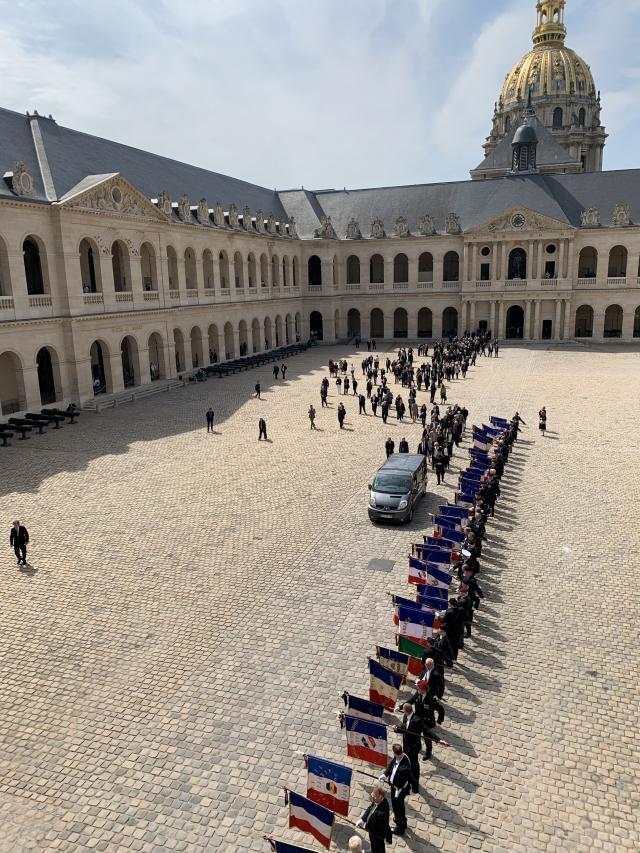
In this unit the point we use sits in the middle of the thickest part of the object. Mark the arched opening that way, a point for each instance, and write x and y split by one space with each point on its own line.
517 264
120 267
353 323
557 118
5 278
376 321
238 272
172 268
636 323
315 326
353 269
425 323
425 267
255 335
401 269
275 271
294 267
451 267
148 267
229 348
617 262
376 269
613 322
588 263
288 329
584 322
157 368
285 271
314 271
89 267
12 394
252 270
33 267
449 323
223 262
278 331
515 322
47 364
400 323
214 344
268 336
264 271
130 362
197 356
243 338
507 124
298 326
190 273
100 368
178 343
207 270
582 116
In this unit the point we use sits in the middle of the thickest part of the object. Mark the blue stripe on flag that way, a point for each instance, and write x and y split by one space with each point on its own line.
318 812
415 616
329 770
383 674
392 655
364 706
366 727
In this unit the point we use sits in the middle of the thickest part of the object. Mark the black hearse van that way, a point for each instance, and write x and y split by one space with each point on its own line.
397 487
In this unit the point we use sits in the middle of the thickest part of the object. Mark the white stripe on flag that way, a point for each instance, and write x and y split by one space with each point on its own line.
319 784
302 814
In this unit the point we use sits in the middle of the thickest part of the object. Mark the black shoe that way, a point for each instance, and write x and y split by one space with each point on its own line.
397 831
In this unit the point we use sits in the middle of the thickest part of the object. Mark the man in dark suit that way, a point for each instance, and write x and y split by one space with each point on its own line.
376 820
18 539
262 429
411 731
399 775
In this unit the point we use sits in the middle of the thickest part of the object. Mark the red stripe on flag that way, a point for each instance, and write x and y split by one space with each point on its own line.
374 696
365 754
305 826
329 801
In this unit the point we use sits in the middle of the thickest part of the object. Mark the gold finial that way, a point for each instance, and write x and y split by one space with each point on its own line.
550 27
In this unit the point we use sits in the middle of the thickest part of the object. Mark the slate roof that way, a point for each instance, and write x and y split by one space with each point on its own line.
74 156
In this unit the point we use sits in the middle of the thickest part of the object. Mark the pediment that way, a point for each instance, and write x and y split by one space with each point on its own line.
111 194
519 220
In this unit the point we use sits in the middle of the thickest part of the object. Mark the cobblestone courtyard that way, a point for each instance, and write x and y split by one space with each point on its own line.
198 602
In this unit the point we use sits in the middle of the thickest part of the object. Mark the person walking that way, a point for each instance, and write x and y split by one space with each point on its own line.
400 777
276 371
323 396
209 419
542 420
439 463
342 413
361 405
312 416
403 447
411 730
262 429
389 446
19 539
385 412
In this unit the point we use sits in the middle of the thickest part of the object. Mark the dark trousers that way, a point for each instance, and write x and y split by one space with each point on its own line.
397 804
377 844
209 426
262 433
20 551
414 758
439 472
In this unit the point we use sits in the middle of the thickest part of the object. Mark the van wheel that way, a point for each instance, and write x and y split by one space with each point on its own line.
410 517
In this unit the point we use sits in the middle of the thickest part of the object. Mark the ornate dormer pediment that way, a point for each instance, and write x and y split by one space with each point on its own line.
621 215
113 194
326 229
401 228
203 212
293 230
247 219
377 229
353 230
20 180
218 215
452 224
425 225
163 203
234 219
259 221
590 218
271 224
184 208
517 221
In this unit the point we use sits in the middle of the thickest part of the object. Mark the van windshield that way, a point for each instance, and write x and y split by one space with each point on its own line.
392 482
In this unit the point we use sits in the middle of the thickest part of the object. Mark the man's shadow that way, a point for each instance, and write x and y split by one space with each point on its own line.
28 570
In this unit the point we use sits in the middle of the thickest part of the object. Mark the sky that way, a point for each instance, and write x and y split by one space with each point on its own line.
314 93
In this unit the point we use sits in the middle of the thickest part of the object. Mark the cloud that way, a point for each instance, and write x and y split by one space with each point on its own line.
331 93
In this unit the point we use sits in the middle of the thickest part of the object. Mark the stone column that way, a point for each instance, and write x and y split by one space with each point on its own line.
501 331
143 362
388 271
329 327
436 315
527 320
539 264
472 320
365 324
556 322
473 272
628 319
115 365
568 319
216 274
31 388
536 319
327 275
236 344
136 280
503 262
530 259
492 316
561 272
413 273
106 278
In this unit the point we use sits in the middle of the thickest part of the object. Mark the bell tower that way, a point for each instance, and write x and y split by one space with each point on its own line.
550 27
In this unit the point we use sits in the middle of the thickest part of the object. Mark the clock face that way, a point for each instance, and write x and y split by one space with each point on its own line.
518 220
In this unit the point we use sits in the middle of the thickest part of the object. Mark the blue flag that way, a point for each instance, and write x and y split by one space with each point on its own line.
364 709
454 511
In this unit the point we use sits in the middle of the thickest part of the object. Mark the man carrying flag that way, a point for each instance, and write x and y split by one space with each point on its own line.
375 821
399 775
411 731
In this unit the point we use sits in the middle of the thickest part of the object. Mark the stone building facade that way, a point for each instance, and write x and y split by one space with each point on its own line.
113 275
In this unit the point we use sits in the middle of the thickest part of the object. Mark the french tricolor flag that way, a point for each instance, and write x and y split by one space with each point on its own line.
363 708
383 684
366 740
309 817
329 784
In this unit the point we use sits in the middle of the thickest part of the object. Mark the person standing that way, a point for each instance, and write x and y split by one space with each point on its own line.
403 447
385 411
361 404
375 820
411 730
209 419
342 413
257 390
542 420
262 429
276 371
389 446
283 371
399 776
312 416
19 538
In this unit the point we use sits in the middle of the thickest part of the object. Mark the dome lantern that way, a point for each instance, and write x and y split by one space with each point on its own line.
550 26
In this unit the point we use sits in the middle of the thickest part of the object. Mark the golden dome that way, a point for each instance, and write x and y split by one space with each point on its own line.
549 70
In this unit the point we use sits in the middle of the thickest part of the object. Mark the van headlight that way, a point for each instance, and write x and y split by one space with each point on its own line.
403 504
372 500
